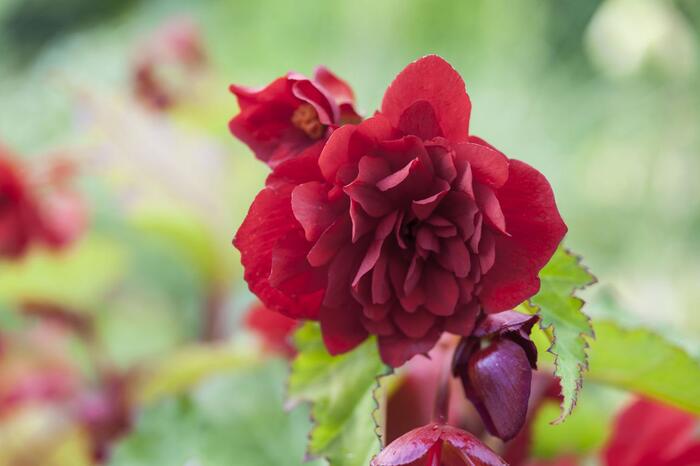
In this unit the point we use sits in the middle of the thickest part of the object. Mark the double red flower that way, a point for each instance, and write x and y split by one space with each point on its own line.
403 226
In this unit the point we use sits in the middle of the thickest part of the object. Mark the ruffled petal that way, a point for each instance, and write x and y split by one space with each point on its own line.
264 122
270 219
536 229
396 350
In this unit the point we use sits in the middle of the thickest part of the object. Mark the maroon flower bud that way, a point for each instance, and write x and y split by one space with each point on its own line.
495 365
435 445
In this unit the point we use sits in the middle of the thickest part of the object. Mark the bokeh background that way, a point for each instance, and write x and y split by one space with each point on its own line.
602 96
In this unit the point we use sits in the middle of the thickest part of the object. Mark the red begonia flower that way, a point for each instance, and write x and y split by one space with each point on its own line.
274 329
403 226
497 377
291 114
436 445
650 433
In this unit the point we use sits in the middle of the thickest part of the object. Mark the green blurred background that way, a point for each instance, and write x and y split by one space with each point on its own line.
602 96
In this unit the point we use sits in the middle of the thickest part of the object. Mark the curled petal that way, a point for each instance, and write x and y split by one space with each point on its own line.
270 219
264 122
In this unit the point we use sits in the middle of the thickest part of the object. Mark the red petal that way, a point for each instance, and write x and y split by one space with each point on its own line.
396 350
463 320
290 272
381 290
419 119
413 324
342 328
457 256
491 208
326 108
349 143
536 229
370 198
409 447
339 89
489 166
312 208
264 122
423 208
470 448
270 219
300 169
444 292
361 222
330 242
434 80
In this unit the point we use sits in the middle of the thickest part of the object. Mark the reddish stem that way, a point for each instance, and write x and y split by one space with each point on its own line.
442 397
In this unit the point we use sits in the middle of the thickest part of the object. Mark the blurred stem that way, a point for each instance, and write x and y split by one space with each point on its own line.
213 319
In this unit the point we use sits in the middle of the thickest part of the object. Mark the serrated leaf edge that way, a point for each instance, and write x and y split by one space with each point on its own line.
581 367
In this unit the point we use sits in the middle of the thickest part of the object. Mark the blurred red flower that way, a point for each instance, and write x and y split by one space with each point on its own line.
273 328
175 50
650 433
436 445
36 210
403 226
18 218
292 114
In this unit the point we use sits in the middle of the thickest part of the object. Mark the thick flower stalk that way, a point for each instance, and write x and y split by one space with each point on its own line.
403 226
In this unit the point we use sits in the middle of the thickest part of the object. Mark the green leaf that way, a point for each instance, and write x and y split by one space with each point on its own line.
231 419
561 316
180 371
644 362
341 390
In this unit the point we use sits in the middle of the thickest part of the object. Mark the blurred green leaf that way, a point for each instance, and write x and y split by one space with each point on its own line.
233 419
78 277
560 313
178 372
644 362
584 431
187 236
341 390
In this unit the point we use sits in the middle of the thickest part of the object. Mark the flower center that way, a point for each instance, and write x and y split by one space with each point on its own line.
306 119
408 231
